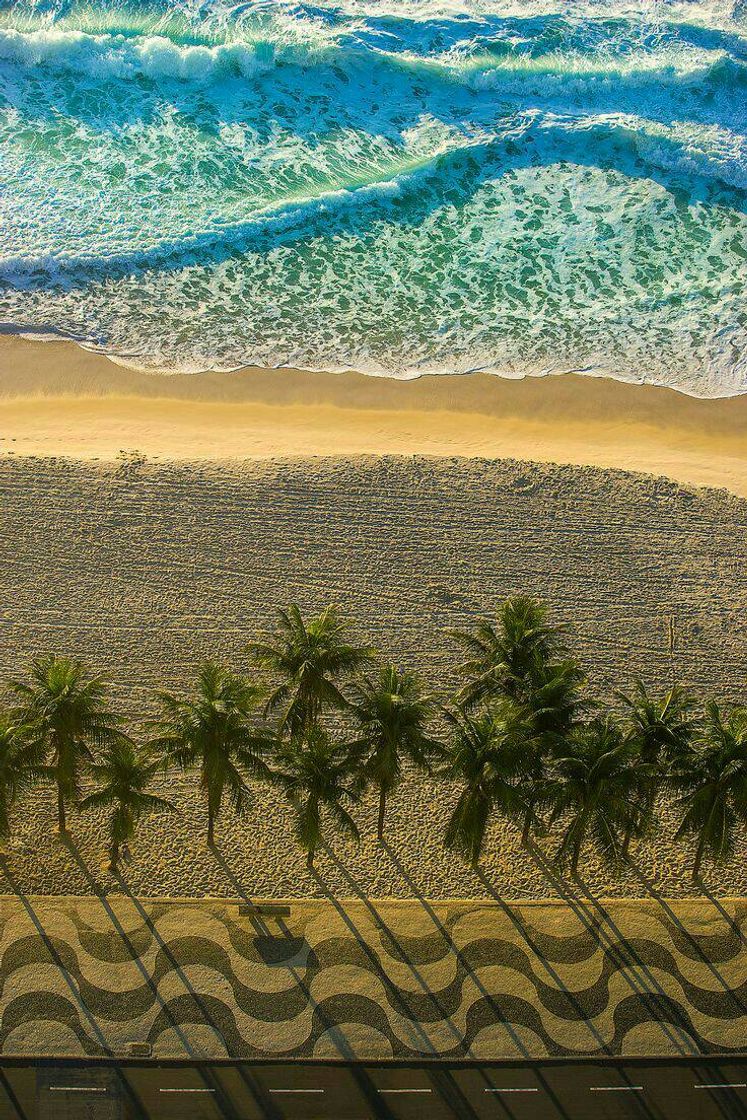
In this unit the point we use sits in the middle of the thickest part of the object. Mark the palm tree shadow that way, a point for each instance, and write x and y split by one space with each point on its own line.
552 972
258 923
454 948
468 969
631 958
54 955
332 1029
262 929
391 987
626 960
733 925
135 957
77 1000
735 1105
18 1110
739 1003
262 1098
592 927
210 1081
445 1084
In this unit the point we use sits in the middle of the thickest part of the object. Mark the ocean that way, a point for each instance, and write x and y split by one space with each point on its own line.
394 186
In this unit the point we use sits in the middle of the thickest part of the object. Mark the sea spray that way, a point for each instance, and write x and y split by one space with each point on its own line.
398 187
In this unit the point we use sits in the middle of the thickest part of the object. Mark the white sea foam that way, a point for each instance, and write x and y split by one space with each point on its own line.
397 187
108 57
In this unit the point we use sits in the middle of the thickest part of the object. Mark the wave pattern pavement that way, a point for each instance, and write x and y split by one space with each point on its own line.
369 979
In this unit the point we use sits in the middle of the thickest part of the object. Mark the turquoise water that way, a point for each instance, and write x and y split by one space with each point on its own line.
398 186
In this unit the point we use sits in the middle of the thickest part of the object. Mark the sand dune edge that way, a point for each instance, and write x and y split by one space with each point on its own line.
59 400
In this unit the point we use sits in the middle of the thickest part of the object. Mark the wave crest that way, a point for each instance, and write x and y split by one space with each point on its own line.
155 57
394 184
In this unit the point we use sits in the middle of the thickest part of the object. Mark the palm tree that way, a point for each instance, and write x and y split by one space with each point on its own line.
21 765
662 731
523 661
213 729
488 756
553 700
502 660
392 713
123 774
67 707
597 782
663 728
319 774
712 779
307 661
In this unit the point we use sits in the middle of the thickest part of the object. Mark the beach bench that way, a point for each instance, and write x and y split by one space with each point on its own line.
264 910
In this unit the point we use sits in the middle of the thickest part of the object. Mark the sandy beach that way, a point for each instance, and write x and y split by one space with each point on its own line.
57 399
149 521
360 211
146 567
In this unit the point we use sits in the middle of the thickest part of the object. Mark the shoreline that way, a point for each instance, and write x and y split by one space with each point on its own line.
59 400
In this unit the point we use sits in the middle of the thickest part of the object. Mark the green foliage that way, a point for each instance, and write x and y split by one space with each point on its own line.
487 755
68 710
305 663
320 774
392 713
712 781
123 775
662 728
521 740
21 765
596 785
214 729
505 661
522 662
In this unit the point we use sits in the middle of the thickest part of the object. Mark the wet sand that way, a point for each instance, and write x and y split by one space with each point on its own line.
57 399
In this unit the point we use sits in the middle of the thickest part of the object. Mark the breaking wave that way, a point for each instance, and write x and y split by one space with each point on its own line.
397 187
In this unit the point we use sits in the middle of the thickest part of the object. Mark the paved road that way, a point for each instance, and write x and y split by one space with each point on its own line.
550 1091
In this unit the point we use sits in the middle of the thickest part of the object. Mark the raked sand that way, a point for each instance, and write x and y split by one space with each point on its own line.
145 567
57 399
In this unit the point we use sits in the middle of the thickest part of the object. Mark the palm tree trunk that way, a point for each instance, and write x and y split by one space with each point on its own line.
211 828
114 855
310 858
382 810
625 848
699 856
61 821
526 830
